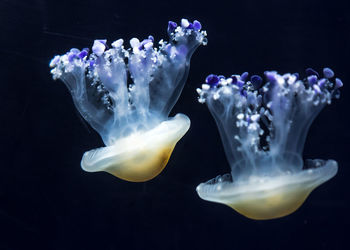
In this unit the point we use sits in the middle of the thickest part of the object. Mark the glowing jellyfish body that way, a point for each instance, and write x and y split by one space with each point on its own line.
263 127
127 95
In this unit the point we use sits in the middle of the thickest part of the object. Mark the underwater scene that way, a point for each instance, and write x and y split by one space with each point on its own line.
174 125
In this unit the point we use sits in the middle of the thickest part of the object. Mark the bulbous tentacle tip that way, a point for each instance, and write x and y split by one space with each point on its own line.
139 157
265 198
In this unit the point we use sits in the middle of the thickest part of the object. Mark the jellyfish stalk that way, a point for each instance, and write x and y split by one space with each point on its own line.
126 95
263 127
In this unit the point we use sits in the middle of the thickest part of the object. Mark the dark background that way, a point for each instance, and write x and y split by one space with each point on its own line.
48 202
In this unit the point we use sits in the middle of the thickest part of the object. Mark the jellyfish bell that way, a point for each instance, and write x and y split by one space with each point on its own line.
263 128
126 95
263 197
140 156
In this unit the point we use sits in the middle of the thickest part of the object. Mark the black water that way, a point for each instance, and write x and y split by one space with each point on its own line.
48 202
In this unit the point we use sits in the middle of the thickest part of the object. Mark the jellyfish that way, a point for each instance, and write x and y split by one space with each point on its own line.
126 95
263 126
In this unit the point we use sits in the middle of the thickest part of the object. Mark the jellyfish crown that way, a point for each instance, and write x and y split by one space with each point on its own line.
263 127
126 93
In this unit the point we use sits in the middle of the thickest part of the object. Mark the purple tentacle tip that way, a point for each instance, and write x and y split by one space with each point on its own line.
312 79
322 83
244 76
256 81
296 75
338 83
171 26
221 77
240 83
310 71
151 38
328 73
212 80
83 54
197 25
71 56
270 76
74 50
234 79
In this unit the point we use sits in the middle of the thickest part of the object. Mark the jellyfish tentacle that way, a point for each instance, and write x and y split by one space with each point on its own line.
112 72
175 55
87 94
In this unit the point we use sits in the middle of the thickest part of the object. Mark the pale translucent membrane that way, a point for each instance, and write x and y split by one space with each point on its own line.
140 156
268 197
126 95
263 127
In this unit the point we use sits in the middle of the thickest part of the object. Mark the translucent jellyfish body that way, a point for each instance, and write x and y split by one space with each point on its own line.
263 127
126 95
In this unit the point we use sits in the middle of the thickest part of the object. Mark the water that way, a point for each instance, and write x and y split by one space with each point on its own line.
48 202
